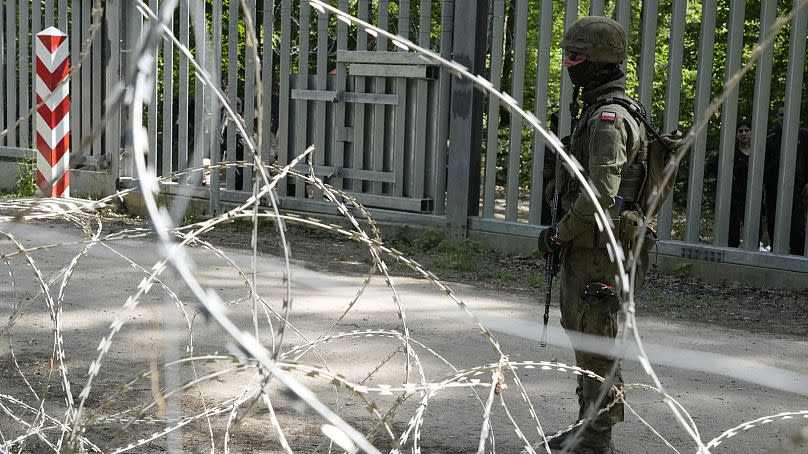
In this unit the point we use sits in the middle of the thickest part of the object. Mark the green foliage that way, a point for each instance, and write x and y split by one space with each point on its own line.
537 280
446 253
458 256
26 177
504 276
682 268
410 243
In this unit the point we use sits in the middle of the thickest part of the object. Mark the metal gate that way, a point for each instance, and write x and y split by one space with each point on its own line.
371 111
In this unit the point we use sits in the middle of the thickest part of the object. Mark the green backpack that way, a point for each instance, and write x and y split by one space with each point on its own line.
659 158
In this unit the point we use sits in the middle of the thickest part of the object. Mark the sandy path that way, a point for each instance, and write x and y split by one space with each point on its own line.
717 400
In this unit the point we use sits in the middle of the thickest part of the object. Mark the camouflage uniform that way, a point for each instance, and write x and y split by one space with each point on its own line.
606 141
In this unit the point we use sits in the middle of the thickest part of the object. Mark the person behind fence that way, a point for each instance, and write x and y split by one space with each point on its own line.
226 125
606 141
771 177
740 170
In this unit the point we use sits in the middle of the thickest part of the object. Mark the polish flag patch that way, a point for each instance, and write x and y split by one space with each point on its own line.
608 116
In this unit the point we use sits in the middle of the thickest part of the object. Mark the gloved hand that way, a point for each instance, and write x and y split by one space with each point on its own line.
549 241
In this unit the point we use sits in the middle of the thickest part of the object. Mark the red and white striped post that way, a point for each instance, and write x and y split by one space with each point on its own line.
53 117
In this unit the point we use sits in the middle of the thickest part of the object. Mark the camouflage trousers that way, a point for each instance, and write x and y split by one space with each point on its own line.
594 316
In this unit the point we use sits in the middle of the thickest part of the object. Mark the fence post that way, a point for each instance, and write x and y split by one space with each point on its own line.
53 117
466 117
112 81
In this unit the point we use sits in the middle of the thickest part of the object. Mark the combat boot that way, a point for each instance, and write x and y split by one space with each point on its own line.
560 442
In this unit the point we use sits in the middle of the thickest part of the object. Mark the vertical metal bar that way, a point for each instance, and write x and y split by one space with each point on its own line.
3 72
322 85
704 78
622 12
11 73
75 79
788 151
650 13
492 123
283 96
152 157
674 90
232 91
564 121
25 73
249 99
133 28
463 196
444 113
518 84
200 91
400 110
86 75
760 114
3 58
729 116
112 132
302 106
359 109
49 13
184 98
97 99
419 131
542 80
596 8
338 144
214 63
168 104
379 114
36 27
267 78
63 15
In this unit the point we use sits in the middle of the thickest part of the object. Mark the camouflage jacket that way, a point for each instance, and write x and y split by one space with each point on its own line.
604 142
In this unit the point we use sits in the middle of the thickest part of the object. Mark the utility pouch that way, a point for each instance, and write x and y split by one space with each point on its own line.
600 293
629 227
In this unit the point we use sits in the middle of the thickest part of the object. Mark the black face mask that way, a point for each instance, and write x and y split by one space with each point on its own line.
589 74
583 73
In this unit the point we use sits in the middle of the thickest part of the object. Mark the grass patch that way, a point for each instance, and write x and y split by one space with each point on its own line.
26 179
411 243
682 268
537 280
458 256
666 302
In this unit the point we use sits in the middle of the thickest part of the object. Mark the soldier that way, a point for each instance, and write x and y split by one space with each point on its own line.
606 141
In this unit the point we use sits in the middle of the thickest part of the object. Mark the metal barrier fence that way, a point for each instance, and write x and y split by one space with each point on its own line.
381 117
686 229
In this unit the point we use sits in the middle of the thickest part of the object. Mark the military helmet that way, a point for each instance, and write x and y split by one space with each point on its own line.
599 38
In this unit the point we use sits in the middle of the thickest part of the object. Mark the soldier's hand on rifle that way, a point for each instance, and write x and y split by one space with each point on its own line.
549 241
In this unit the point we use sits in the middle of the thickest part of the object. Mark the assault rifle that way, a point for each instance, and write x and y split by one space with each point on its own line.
552 262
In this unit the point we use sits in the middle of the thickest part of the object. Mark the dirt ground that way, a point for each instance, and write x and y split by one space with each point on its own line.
674 296
739 324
